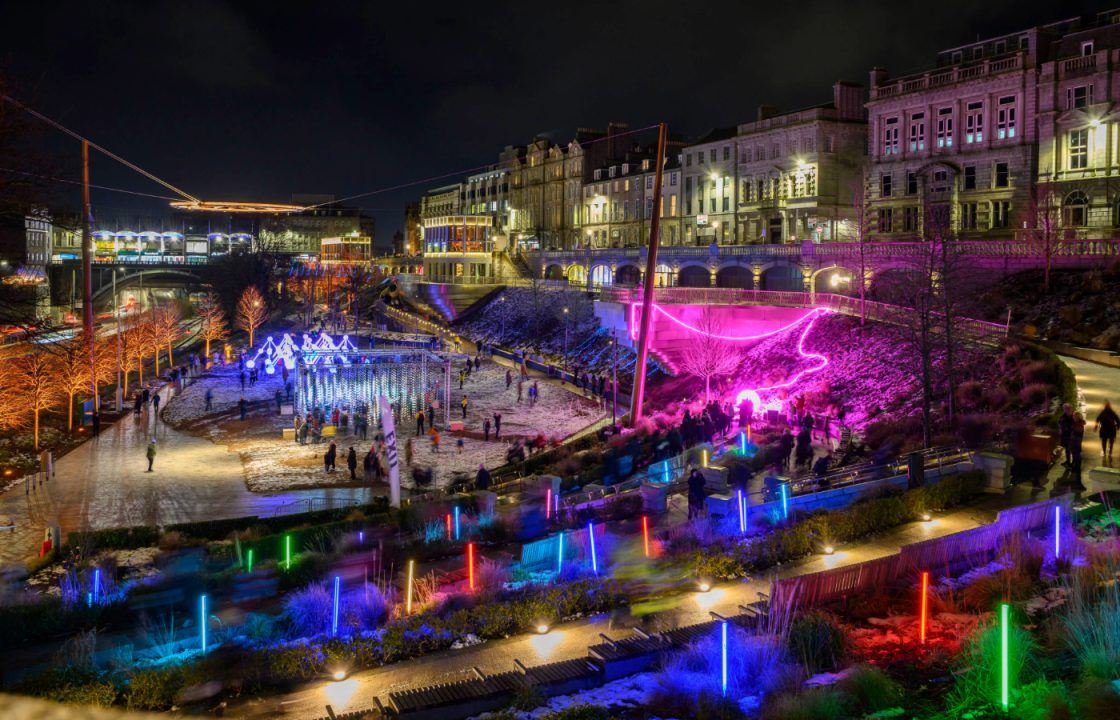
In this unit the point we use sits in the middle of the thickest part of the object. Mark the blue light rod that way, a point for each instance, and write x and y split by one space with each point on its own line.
559 552
334 612
202 616
456 522
591 538
723 658
785 500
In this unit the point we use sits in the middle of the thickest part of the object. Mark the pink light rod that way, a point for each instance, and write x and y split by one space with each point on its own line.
822 363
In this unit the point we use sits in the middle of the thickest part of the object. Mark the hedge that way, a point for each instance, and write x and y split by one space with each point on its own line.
734 559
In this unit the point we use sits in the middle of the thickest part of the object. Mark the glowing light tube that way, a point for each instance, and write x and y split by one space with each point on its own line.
408 593
591 543
723 658
202 616
470 565
924 608
334 608
645 535
1005 650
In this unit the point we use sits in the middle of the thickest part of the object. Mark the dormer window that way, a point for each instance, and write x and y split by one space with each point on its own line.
1087 48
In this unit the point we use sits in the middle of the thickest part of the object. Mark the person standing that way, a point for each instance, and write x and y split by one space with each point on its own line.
241 376
486 430
209 399
1065 431
462 376
155 404
497 425
434 435
96 423
352 463
509 378
330 456
1107 423
463 403
695 493
151 454
419 422
1077 437
482 478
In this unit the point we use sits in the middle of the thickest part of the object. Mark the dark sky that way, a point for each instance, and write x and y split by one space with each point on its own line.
258 100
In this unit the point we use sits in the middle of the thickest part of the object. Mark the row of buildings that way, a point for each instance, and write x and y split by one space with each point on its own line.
323 230
997 137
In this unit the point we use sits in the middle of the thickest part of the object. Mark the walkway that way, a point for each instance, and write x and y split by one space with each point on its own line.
571 640
1095 384
102 483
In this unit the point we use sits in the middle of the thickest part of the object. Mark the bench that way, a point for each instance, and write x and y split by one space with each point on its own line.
289 434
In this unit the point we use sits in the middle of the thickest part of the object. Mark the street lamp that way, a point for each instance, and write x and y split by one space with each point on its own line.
565 331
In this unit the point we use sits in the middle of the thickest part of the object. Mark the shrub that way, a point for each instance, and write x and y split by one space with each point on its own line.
870 690
154 689
976 431
366 608
128 538
1097 699
1092 628
818 704
817 642
308 611
98 694
978 682
1035 394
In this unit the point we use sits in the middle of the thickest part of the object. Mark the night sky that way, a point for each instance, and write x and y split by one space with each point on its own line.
255 101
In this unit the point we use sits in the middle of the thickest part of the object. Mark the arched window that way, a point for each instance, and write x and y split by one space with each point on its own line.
601 275
1075 209
663 276
577 275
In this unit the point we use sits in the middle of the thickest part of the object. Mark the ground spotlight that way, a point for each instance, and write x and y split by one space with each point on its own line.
705 586
828 549
338 675
926 517
542 628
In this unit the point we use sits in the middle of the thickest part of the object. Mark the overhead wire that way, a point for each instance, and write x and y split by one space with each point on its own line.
79 182
103 150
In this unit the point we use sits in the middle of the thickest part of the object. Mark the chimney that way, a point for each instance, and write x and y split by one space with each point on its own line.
878 77
847 98
766 111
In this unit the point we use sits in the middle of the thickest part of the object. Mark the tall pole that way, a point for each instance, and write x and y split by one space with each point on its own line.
614 383
87 274
647 285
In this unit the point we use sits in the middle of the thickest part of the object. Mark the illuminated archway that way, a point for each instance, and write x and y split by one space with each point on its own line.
601 275
577 275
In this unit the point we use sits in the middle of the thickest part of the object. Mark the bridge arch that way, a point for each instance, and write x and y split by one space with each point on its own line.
628 275
694 276
735 276
554 272
835 279
577 274
782 276
601 275
148 275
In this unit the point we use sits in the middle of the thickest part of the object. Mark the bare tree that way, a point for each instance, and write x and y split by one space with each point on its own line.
36 378
167 331
251 311
859 208
1042 219
73 372
213 320
710 355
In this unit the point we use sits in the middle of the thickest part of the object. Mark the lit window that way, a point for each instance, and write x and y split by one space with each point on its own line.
1079 149
890 136
1005 118
974 123
917 132
945 127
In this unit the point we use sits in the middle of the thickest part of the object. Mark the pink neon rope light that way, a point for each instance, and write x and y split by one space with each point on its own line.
733 338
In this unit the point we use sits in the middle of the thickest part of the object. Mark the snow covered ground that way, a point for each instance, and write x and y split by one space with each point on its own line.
272 464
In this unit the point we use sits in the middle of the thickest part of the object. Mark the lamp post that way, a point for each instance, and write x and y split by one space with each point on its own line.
565 332
614 383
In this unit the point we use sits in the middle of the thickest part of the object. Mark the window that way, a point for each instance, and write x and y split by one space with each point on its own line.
1079 97
969 212
974 123
1001 175
712 155
687 160
759 153
890 136
672 205
774 151
918 132
726 203
1087 48
945 127
911 183
673 179
1024 43
977 53
940 181
957 57
1075 209
598 174
829 144
1001 214
910 218
1005 118
885 218
810 145
649 182
726 152
793 146
700 158
885 182
1079 149
1001 47
969 177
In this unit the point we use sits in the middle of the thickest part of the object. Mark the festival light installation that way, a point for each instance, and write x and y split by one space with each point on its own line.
742 504
1005 651
1057 531
723 657
755 394
334 605
591 543
287 552
408 593
645 535
783 489
924 608
560 552
203 614
249 561
448 526
548 504
470 565
456 522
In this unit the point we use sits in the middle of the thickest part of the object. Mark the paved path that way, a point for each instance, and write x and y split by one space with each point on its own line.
103 483
1095 384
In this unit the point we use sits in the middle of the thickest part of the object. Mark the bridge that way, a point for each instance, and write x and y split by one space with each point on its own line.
809 266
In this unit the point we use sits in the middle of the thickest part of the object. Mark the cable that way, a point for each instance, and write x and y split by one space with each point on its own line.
59 126
479 168
78 182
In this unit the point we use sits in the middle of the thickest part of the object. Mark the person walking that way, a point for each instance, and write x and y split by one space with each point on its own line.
241 376
155 404
151 454
96 423
1107 423
279 397
352 463
419 422
329 457
486 430
209 399
434 435
520 384
497 425
462 376
509 378
477 362
463 403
